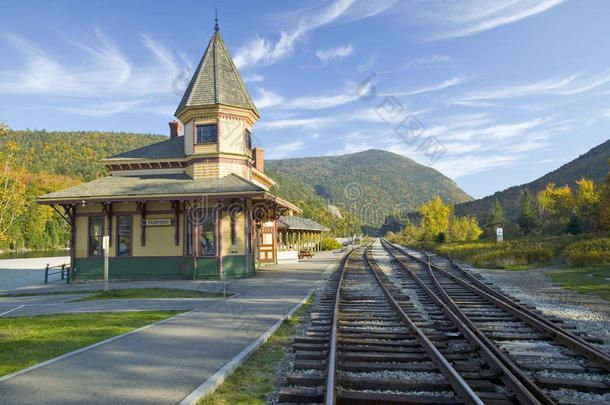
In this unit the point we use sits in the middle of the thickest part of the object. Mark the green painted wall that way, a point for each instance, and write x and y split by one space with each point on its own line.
161 268
130 268
235 266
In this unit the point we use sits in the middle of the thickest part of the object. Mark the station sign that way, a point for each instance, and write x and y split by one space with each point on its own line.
159 222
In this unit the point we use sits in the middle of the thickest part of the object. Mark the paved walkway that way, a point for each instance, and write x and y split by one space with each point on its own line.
164 363
16 273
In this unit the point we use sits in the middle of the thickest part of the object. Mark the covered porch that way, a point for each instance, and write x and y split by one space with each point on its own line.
297 238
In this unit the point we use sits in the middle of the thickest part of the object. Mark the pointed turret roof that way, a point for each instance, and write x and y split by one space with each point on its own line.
216 81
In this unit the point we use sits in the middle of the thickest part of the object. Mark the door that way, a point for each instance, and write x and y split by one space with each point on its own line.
266 247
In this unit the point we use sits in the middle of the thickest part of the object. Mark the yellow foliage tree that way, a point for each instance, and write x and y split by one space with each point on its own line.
556 201
12 184
435 217
604 203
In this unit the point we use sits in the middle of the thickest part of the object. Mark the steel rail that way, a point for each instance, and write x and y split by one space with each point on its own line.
514 377
461 387
576 342
331 367
528 316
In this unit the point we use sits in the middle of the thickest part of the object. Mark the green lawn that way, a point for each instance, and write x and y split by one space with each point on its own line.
584 279
143 293
29 340
253 381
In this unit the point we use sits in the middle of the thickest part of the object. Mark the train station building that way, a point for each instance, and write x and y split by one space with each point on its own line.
195 206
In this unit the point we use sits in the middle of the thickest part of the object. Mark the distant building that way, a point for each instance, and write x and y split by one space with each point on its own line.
188 207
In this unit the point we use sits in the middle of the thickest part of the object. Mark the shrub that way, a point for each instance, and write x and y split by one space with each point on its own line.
329 244
588 252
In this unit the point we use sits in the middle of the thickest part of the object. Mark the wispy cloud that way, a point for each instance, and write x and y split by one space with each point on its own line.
565 86
334 53
264 51
104 70
280 151
267 98
434 87
101 109
253 78
468 17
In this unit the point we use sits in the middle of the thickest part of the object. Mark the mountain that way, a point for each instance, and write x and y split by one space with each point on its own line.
74 154
370 185
591 165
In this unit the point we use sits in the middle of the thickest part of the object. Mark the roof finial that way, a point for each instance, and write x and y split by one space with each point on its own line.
216 29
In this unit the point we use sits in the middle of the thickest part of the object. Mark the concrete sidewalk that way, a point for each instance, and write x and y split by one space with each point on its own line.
164 363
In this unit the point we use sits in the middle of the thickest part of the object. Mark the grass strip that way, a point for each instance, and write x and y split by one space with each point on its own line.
583 279
29 340
147 293
253 380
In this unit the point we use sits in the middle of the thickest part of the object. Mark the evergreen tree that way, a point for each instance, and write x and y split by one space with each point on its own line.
495 218
527 217
573 225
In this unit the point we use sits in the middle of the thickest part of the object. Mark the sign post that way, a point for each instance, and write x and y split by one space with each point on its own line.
500 234
106 246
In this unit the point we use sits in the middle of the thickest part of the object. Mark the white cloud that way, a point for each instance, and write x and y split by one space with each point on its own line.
281 151
565 86
464 165
254 78
316 122
435 87
267 98
263 51
103 71
468 17
101 109
334 53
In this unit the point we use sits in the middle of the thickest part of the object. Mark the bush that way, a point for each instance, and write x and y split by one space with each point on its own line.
329 244
590 252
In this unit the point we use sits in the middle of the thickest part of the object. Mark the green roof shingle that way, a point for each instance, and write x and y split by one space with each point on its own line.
216 81
157 185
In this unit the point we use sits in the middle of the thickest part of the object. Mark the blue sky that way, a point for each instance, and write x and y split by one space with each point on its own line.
491 93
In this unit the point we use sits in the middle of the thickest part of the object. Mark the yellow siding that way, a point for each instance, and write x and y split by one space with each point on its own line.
81 236
124 207
240 245
231 136
89 208
190 171
206 148
205 171
159 239
188 138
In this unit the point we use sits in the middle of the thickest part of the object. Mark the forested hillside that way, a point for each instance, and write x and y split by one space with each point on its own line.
74 154
592 165
371 185
39 162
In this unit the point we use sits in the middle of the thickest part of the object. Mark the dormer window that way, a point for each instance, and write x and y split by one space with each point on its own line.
248 139
207 133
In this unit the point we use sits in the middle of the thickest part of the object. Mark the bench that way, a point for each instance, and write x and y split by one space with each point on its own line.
305 253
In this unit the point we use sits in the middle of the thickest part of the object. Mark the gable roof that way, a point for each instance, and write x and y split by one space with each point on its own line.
157 185
299 223
170 149
216 81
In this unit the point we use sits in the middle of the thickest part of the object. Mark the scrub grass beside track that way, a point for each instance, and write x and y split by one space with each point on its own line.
253 381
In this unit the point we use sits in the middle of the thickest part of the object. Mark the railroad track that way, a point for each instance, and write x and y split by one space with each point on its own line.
388 329
552 358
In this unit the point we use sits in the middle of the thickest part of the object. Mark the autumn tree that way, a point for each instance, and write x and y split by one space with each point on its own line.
604 203
435 217
527 216
12 184
464 229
